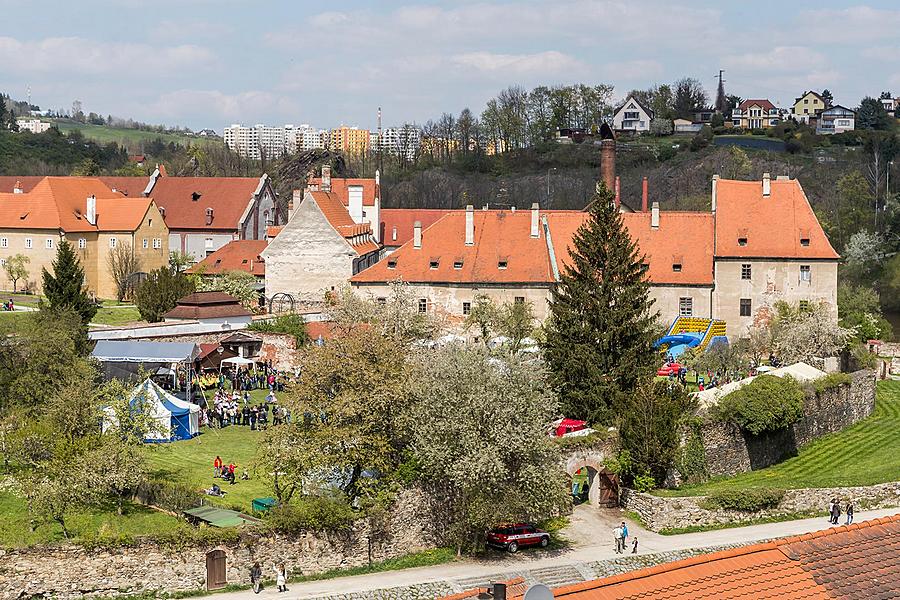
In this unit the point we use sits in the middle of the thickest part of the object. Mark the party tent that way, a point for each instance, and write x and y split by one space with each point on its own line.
177 419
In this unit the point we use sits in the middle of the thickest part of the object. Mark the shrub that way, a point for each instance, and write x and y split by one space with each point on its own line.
745 500
290 323
577 442
691 462
312 513
768 403
830 381
174 497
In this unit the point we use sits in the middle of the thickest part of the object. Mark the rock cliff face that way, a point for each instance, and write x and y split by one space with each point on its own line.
69 571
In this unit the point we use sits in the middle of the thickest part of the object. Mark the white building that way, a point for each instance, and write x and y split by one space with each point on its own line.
252 142
33 125
399 141
632 116
836 119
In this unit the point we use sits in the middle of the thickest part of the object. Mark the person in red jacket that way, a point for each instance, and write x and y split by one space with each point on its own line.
231 467
217 467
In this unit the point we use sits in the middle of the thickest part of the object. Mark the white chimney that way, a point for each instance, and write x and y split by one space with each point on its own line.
18 189
654 216
377 177
767 185
91 213
715 185
326 178
535 215
417 234
355 202
294 204
470 225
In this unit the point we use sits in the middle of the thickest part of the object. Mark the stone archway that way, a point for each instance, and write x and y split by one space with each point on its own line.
603 485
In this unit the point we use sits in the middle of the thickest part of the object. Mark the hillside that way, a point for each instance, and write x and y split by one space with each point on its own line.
134 140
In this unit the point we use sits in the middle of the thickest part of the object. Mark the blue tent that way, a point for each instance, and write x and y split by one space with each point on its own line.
176 419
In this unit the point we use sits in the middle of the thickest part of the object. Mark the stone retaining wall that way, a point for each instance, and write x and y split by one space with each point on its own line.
658 513
71 571
729 451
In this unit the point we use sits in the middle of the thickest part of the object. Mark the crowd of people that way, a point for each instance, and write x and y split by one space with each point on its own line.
236 409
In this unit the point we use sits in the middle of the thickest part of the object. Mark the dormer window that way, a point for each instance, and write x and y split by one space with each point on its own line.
502 264
209 216
676 267
742 241
195 196
162 211
804 241
392 264
434 263
457 264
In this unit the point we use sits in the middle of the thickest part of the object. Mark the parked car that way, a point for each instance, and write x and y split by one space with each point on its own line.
669 369
512 537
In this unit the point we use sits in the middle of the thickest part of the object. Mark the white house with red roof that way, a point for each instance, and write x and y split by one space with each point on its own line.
361 197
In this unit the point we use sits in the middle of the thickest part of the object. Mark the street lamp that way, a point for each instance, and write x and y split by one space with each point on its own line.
548 184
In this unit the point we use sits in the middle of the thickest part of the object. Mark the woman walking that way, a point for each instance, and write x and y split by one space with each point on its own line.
849 513
281 577
256 577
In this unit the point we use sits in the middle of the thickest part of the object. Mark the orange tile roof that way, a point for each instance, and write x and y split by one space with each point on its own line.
130 186
341 185
236 255
403 219
60 203
772 226
857 561
358 235
227 196
8 182
515 587
273 230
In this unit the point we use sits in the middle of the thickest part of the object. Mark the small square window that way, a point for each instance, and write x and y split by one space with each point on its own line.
113 242
746 307
423 305
145 243
805 273
804 241
392 264
519 299
433 264
82 243
502 264
4 243
28 242
457 265
381 300
467 308
676 267
742 241
157 243
746 271
686 307
49 244
804 305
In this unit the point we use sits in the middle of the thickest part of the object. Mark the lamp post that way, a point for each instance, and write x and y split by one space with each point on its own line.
548 184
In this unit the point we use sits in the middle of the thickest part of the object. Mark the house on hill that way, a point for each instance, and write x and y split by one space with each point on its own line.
755 114
633 116
808 107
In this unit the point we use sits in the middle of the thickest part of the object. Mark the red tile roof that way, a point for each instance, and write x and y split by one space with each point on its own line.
403 219
273 230
772 226
236 255
60 203
8 182
857 561
340 186
207 305
130 186
227 196
358 235
762 103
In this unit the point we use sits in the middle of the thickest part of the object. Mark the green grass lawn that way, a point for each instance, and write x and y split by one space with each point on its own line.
116 315
190 462
131 138
864 454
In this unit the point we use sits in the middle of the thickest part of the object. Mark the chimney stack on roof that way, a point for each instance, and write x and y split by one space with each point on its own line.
294 203
535 217
417 234
608 162
326 178
91 213
715 185
767 185
645 194
617 187
499 591
18 189
470 225
654 216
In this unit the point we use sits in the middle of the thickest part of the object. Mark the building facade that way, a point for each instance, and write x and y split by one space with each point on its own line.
258 140
808 107
755 114
632 116
361 197
352 141
33 125
836 119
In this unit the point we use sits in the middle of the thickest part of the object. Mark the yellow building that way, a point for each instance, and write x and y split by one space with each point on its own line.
755 114
93 218
352 141
808 106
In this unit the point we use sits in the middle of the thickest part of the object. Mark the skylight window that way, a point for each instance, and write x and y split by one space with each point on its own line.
804 241
502 264
392 264
676 267
742 241
458 264
434 264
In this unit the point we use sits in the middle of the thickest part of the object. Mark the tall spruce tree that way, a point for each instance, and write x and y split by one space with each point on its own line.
64 288
601 328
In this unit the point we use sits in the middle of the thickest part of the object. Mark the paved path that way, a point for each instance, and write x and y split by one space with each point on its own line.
562 566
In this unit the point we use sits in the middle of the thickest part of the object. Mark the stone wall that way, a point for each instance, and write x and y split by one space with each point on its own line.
729 451
660 513
280 348
70 571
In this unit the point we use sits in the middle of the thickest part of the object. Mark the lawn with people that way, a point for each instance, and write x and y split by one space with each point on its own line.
866 453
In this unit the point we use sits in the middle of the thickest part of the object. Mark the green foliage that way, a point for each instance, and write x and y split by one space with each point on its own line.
312 513
159 293
237 284
871 114
691 461
291 324
768 403
859 309
86 168
16 268
482 316
831 381
601 329
580 442
64 288
167 495
747 500
181 538
702 139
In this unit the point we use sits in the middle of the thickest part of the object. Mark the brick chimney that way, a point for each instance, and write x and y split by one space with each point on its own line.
326 178
715 186
535 217
417 235
470 225
654 216
18 189
645 194
608 162
767 185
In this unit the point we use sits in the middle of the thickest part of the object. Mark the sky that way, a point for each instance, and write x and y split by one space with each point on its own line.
210 63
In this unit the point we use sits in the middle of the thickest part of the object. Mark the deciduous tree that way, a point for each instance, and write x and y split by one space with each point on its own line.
159 293
16 268
122 263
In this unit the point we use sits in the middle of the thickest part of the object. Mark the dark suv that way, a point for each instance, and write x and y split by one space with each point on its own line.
514 536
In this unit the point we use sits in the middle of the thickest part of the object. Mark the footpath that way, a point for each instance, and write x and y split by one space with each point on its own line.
588 559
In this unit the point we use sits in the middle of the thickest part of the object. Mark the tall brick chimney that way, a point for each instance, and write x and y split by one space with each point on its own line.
608 162
645 194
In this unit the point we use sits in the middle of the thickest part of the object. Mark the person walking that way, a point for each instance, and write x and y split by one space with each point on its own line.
624 535
831 511
617 537
256 577
217 467
280 577
849 512
634 546
836 513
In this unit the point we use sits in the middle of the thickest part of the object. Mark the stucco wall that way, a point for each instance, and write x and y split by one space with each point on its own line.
194 242
39 255
667 301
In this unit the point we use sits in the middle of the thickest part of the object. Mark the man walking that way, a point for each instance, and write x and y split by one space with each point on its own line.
619 538
849 512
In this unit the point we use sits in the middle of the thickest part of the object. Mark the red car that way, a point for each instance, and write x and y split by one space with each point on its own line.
669 369
512 537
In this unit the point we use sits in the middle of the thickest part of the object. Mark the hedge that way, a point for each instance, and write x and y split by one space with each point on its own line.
768 403
745 500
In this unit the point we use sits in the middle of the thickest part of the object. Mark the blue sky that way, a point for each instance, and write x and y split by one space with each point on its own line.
207 63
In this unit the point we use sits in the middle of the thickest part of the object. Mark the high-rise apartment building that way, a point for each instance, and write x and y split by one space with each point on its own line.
259 140
349 140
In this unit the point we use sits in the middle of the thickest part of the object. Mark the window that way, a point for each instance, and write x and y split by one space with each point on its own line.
746 271
112 242
806 101
381 300
28 242
632 115
433 264
676 267
805 273
686 307
423 305
145 243
502 264
157 243
457 264
208 243
804 241
149 222
4 243
519 299
48 244
804 305
742 241
467 308
746 307
392 264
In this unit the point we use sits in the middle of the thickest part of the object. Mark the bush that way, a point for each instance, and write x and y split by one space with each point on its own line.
702 139
291 324
174 497
745 500
592 440
830 381
312 513
768 403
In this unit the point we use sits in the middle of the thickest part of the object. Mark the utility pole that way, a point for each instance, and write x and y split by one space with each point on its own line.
720 93
548 185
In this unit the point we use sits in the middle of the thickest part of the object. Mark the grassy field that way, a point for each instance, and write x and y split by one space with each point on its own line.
116 315
863 454
130 138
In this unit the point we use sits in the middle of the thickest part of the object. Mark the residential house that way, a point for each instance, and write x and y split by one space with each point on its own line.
808 107
836 119
755 114
686 126
236 255
727 263
210 308
632 115
320 247
703 115
33 125
891 105
93 218
362 197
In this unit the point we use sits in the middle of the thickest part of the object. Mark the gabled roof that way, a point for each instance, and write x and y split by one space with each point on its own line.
358 235
236 255
404 219
772 226
60 203
838 107
861 560
341 187
185 200
8 182
805 94
636 101
207 305
762 103
129 186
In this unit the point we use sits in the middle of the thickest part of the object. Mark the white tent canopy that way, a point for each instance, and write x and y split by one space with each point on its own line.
175 418
799 371
238 360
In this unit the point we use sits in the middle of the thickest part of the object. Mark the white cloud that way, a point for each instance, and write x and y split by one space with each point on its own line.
779 59
79 55
849 25
250 106
550 62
